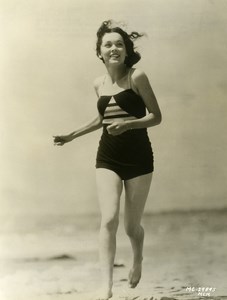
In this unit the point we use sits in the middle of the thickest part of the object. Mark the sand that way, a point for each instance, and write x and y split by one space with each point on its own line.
185 257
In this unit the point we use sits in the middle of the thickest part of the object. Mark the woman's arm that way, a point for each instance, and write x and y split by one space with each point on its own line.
153 118
144 89
91 126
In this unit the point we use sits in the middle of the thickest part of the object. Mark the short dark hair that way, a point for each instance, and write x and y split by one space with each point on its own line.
107 27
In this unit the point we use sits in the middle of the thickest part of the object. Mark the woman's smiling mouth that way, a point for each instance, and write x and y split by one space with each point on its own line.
115 56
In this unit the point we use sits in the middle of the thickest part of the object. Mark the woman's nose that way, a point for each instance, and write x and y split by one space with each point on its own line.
113 47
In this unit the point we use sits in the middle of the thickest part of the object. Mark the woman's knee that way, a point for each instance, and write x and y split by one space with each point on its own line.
134 230
110 223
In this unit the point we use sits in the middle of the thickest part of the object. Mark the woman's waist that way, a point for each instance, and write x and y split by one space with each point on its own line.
127 138
125 147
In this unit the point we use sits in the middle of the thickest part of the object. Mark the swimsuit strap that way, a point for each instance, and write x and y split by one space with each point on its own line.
130 79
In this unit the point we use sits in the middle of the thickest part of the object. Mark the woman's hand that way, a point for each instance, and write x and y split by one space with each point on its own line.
117 128
60 140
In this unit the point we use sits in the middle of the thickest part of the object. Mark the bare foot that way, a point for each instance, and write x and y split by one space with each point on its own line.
135 275
103 294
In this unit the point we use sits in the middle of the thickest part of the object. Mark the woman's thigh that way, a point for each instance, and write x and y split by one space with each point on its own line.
136 192
109 189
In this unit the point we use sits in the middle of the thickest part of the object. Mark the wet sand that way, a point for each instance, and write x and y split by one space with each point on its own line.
185 257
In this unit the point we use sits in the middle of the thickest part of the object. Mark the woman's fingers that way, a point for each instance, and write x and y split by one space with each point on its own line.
115 131
113 125
58 140
116 128
57 144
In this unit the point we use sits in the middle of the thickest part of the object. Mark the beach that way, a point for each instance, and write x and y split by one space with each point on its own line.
56 257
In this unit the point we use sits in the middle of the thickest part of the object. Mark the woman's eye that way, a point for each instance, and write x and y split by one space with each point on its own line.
109 45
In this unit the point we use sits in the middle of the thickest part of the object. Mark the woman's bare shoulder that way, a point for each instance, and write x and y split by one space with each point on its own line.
139 79
138 74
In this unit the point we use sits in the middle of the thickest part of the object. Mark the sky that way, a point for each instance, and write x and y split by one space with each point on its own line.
48 65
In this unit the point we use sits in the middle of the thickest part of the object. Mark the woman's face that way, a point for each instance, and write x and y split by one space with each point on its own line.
113 49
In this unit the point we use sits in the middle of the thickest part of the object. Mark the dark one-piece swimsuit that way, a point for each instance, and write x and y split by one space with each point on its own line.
128 154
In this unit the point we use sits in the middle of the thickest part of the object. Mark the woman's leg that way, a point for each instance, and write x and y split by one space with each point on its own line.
136 192
109 188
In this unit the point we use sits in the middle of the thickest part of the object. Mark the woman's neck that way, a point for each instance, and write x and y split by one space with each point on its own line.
117 72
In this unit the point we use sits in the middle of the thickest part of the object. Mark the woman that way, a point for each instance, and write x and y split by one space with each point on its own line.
124 157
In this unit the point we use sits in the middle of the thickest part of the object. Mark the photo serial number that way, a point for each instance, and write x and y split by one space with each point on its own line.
201 291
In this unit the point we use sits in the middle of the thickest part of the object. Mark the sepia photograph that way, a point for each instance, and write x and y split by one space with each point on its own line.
113 177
